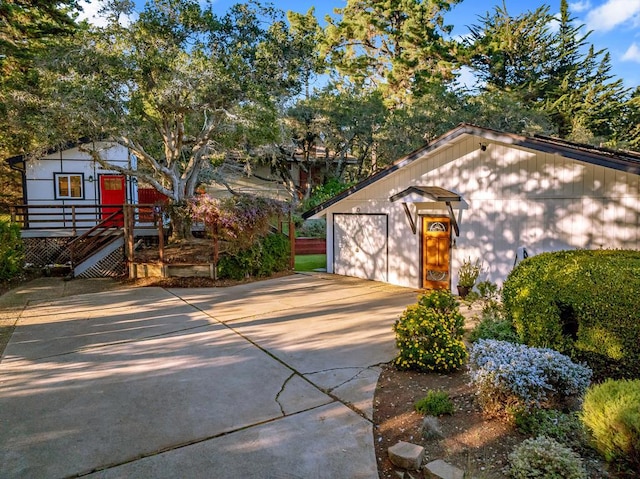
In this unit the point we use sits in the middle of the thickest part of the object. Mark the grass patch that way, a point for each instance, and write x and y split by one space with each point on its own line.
309 262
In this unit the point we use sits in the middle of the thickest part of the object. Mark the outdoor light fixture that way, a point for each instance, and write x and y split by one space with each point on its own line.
90 179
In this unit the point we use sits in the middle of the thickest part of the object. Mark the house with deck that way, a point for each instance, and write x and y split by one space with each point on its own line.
482 194
75 211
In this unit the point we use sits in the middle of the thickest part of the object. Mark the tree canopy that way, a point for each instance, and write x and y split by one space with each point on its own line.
185 88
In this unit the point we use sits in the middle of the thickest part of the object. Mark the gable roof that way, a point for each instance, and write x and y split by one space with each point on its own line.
17 162
618 160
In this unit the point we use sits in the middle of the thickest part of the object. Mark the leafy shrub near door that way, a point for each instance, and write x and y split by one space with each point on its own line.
582 303
429 334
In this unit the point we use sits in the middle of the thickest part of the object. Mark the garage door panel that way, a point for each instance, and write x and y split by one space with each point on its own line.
361 246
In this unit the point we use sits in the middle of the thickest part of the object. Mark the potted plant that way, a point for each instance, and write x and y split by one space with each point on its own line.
467 276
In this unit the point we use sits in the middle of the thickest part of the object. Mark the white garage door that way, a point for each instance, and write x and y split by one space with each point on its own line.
360 246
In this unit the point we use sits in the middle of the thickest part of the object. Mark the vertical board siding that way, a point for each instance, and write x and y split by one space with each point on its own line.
514 197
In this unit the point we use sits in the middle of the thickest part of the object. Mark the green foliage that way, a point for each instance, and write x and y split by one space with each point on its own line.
324 192
566 428
546 65
179 85
494 328
582 303
267 256
545 458
312 229
11 250
469 272
429 334
240 218
488 290
493 324
435 403
371 41
29 30
611 412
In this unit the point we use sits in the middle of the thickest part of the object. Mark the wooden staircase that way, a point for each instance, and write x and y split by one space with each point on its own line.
93 246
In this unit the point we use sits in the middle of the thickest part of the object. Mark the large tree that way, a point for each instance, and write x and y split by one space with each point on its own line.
512 53
28 29
180 87
397 46
553 70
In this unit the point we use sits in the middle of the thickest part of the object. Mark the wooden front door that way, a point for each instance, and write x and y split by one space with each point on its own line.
436 252
112 193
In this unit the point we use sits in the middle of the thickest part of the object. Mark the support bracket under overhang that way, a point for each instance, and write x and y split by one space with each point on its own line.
434 193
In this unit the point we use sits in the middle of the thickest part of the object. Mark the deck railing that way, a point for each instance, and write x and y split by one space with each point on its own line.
75 217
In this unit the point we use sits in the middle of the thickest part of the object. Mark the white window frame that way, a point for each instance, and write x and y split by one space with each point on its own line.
56 186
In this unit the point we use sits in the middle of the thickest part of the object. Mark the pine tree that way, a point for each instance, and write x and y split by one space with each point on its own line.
398 46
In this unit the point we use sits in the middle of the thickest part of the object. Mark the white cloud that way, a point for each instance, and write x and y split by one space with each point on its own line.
580 6
632 54
613 13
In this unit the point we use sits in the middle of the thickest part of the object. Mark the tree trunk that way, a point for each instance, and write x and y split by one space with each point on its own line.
180 222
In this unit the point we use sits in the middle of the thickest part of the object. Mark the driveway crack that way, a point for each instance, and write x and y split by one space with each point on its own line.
284 385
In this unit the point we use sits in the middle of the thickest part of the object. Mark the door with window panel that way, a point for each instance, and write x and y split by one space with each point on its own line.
436 252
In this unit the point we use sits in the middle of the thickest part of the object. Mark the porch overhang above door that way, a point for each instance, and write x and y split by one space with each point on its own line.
434 193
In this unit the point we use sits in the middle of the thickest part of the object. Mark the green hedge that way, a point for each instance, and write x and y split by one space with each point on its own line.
582 303
11 250
269 255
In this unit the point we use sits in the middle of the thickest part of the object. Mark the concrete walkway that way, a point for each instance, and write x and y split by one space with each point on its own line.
273 379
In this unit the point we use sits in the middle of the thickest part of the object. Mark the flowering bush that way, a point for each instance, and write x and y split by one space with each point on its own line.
514 377
239 218
429 334
545 458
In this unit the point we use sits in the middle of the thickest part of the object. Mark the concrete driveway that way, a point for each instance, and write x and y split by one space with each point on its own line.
273 379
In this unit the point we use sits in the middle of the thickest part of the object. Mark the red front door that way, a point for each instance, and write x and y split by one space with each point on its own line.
112 194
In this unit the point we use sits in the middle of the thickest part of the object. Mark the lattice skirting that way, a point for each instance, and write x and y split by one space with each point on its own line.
109 267
43 251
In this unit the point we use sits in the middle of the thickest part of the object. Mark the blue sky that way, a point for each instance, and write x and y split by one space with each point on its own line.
615 23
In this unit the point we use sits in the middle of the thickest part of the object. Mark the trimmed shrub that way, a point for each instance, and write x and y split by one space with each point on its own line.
267 256
611 413
545 458
11 250
429 334
513 377
435 403
582 303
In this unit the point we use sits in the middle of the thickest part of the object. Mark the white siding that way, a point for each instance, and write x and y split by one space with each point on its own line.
513 197
40 174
